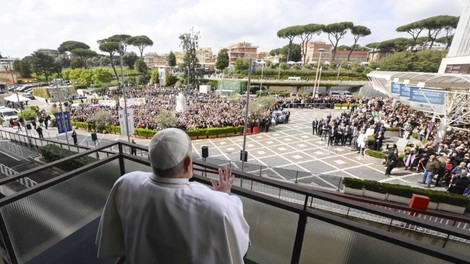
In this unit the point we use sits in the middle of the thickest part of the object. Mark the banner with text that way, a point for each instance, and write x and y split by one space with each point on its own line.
395 89
63 124
404 93
130 121
428 100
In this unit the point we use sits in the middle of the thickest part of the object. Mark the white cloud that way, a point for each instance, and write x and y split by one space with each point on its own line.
32 24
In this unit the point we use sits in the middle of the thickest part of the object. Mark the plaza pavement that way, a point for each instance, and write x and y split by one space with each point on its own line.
288 152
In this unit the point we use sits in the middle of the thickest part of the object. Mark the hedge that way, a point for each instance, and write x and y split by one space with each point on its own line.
406 191
148 133
52 153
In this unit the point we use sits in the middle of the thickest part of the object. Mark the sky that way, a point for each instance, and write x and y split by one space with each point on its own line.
29 25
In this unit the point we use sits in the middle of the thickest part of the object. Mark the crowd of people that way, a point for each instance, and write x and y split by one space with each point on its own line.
203 110
443 158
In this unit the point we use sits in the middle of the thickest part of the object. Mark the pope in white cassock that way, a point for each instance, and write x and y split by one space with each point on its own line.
180 102
162 217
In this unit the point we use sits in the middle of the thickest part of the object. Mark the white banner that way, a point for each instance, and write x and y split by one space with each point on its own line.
427 100
130 121
130 102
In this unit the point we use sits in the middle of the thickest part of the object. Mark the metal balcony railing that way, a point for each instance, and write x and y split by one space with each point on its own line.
55 221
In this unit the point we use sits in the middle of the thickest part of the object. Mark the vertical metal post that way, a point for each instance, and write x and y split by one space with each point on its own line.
246 112
124 95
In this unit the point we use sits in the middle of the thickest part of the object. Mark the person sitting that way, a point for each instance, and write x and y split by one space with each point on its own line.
162 217
460 183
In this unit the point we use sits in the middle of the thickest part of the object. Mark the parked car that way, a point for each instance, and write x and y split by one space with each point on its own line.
29 95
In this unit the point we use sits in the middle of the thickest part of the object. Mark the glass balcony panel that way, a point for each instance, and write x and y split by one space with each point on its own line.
37 222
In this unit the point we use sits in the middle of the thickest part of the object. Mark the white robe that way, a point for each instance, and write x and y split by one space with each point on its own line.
161 220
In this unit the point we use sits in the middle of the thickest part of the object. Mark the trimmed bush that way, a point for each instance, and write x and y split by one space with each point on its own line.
52 153
406 191
392 129
353 183
376 153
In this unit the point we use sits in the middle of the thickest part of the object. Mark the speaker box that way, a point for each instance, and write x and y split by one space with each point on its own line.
205 151
94 137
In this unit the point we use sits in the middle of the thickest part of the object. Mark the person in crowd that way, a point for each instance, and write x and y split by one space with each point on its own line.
162 217
39 130
455 172
361 142
460 183
392 159
431 167
74 137
133 149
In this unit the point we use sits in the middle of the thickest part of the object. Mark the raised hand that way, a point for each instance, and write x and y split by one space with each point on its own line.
226 178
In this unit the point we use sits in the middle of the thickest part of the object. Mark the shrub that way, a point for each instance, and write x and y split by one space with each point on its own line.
353 183
392 129
52 153
374 186
407 191
376 153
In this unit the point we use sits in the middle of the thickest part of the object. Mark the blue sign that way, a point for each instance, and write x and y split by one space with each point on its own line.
427 100
395 88
60 124
404 90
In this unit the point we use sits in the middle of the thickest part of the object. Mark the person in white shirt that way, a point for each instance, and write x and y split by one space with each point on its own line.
361 142
162 217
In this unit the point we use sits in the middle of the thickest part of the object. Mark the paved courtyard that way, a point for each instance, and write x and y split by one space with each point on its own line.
290 152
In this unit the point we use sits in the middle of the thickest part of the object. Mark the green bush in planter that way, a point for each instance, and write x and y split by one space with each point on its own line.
376 153
398 190
353 183
392 129
52 153
374 186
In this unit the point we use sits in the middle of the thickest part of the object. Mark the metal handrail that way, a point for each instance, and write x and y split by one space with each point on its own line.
304 209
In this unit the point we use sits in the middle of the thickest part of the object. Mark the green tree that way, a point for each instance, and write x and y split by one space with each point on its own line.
83 54
23 66
241 64
343 47
434 25
414 29
306 33
42 64
171 59
165 119
446 40
77 63
189 42
122 39
141 42
70 45
62 60
103 118
129 59
336 32
112 47
288 33
222 61
358 32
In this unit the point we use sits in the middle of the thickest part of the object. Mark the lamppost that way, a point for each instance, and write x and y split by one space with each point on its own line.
17 97
124 95
315 88
261 81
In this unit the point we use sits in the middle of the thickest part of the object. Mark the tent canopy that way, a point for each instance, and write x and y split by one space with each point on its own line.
16 98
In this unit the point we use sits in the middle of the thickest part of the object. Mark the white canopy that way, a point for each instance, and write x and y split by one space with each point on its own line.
16 99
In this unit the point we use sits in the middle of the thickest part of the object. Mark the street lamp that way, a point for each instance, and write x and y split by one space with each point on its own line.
315 88
261 82
124 94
